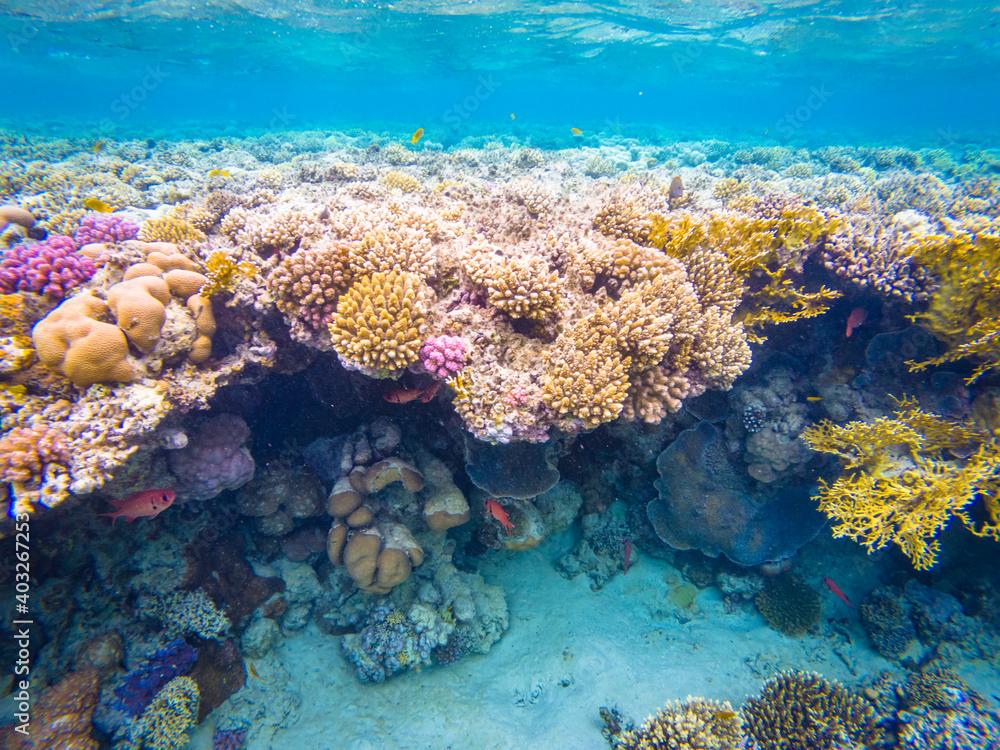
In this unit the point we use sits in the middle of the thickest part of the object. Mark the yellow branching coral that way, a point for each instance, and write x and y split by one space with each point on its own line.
901 483
586 378
521 287
223 273
401 181
965 309
170 229
167 722
694 724
655 393
379 322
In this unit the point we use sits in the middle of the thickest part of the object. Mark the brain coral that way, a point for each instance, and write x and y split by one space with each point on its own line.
380 321
788 604
75 341
707 502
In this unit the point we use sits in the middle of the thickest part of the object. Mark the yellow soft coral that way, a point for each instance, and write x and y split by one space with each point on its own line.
901 483
379 322
965 309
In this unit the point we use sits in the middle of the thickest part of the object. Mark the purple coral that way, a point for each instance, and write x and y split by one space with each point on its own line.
105 228
52 268
229 739
443 356
214 460
138 688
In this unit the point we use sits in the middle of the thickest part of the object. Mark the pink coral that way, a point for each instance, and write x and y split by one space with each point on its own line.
443 356
52 268
104 228
214 460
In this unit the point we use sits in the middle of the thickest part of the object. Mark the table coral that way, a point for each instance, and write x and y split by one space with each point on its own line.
52 267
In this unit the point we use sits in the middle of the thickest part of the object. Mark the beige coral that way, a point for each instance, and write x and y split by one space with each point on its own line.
380 321
586 379
73 340
521 287
170 229
307 283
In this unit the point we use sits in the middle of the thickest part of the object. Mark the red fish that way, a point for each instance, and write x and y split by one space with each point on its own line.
836 591
855 320
145 504
627 561
498 512
406 395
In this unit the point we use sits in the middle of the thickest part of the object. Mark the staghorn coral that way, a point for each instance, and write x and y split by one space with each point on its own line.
901 483
692 724
804 711
379 322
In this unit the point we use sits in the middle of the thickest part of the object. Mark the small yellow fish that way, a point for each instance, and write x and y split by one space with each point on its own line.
253 670
814 398
417 135
96 204
98 146
513 116
218 173
725 715
576 131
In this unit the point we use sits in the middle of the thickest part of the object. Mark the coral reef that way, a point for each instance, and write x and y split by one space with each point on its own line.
52 268
278 499
167 722
705 502
788 604
902 484
804 711
214 459
694 724
104 228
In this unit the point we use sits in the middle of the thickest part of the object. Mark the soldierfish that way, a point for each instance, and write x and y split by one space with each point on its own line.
497 511
837 592
145 504
406 395
855 320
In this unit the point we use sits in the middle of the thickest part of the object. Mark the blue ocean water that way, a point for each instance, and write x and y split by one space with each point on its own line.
790 71
494 374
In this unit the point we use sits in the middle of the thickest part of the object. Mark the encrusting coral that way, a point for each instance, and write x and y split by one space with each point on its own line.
902 483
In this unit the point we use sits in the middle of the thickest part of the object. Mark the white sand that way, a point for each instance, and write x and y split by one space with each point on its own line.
568 651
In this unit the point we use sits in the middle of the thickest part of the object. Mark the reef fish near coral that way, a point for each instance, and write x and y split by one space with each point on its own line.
497 512
145 504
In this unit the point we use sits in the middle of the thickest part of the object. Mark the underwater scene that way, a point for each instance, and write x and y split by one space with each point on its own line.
487 375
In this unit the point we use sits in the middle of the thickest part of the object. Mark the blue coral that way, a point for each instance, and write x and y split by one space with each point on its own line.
138 688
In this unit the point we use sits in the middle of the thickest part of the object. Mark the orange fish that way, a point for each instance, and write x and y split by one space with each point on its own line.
855 320
406 395
145 504
498 512
417 135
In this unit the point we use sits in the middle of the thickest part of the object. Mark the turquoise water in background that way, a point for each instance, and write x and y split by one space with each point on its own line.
779 71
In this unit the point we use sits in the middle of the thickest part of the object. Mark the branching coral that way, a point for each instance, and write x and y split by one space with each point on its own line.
902 484
167 722
224 273
964 311
804 711
380 321
694 724
170 229
520 287
307 283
